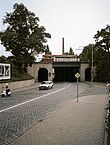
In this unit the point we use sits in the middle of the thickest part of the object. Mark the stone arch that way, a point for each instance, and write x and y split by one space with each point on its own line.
88 74
42 75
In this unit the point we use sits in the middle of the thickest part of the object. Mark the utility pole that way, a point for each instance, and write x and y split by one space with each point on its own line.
92 65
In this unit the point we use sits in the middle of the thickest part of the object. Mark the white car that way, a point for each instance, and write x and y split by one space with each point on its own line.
45 85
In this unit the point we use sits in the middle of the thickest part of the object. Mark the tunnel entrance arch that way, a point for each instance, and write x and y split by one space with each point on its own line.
65 71
42 75
60 71
88 74
65 74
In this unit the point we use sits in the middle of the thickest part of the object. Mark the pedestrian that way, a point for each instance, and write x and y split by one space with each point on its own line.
7 89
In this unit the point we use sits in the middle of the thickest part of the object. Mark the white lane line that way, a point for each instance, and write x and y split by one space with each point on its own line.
34 99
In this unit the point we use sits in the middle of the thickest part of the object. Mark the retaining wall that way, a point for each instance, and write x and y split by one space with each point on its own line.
18 84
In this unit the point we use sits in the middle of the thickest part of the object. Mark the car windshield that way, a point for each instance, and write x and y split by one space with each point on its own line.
45 83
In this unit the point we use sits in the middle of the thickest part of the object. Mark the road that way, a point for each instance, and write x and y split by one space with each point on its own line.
19 112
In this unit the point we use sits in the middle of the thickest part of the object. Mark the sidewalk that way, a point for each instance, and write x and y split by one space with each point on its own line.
76 123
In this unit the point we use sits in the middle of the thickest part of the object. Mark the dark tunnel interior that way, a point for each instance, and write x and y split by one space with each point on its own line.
65 74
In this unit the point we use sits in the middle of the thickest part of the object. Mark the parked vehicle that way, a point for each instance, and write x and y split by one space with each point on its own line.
45 85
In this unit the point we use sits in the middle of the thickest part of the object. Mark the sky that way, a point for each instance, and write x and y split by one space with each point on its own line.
77 21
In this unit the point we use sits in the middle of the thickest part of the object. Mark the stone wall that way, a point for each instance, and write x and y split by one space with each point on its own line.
83 67
33 71
18 84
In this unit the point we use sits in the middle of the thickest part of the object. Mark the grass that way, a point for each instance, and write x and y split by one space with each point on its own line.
18 77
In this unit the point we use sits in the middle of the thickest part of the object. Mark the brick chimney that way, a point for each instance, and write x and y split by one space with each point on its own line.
62 46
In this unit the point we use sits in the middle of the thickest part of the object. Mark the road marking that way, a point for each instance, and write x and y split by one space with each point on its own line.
6 109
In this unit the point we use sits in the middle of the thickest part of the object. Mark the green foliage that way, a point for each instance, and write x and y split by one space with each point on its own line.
47 50
102 57
71 51
23 35
19 75
16 74
3 59
101 54
103 39
86 55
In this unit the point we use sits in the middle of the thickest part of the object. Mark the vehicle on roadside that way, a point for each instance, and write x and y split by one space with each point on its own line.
45 85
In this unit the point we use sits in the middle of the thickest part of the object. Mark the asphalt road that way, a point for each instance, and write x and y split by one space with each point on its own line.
19 112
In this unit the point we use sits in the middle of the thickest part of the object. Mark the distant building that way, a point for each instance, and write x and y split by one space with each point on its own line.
62 58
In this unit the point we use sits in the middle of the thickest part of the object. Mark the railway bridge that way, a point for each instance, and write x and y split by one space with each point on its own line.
60 68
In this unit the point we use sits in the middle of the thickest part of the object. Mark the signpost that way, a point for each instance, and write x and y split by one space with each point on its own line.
77 75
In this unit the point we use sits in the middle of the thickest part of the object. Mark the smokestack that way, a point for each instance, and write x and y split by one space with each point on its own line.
62 46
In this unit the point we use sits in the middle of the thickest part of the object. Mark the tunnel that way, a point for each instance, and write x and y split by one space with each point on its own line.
88 74
65 74
42 75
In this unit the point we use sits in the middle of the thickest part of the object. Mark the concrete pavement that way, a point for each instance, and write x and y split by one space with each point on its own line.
76 123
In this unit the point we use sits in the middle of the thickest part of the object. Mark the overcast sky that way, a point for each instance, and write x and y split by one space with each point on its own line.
75 20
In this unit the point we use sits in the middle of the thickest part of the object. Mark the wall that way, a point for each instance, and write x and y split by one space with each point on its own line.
18 84
33 71
83 67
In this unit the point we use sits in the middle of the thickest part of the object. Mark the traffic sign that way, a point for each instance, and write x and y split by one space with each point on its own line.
77 75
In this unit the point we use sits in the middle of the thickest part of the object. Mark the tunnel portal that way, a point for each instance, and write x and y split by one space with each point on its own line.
65 71
42 75
65 74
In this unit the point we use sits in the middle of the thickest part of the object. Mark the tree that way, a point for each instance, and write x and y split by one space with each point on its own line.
3 59
47 50
71 51
86 55
101 54
102 46
102 39
23 35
